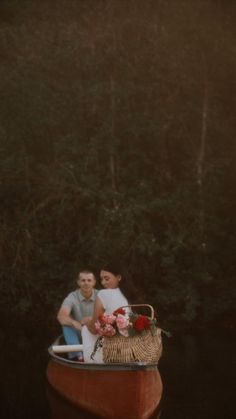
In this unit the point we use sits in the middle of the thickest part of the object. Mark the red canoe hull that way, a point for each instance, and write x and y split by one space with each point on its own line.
108 392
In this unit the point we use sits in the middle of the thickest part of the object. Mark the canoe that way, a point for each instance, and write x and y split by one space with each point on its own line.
111 391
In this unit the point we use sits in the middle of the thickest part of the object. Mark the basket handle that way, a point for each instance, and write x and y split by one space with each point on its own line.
142 305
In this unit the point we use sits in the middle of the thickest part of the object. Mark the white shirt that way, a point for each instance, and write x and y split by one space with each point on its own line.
112 299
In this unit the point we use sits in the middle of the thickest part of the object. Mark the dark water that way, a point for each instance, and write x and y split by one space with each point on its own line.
198 373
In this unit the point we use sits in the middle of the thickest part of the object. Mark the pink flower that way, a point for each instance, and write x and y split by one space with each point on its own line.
108 330
109 318
122 322
98 326
105 329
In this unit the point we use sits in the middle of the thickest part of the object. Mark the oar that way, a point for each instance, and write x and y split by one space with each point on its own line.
66 348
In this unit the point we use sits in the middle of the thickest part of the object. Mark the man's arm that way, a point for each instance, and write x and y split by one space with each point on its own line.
65 319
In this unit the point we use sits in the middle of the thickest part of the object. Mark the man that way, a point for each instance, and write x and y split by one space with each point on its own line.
77 309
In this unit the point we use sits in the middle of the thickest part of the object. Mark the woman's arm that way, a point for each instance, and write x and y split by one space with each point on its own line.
98 311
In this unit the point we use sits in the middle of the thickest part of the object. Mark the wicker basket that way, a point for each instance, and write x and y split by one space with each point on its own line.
144 347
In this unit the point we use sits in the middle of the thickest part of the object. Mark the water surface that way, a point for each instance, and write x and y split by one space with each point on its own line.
197 372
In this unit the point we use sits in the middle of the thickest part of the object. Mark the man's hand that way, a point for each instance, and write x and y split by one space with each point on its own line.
77 325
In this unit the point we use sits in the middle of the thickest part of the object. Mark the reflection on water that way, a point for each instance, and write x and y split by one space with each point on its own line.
198 377
197 373
23 360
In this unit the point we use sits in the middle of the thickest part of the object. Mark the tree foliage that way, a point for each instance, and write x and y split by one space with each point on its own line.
117 140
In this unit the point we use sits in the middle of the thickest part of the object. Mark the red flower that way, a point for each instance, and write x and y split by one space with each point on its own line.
119 311
141 323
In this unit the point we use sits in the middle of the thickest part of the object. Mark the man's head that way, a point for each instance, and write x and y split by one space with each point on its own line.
86 282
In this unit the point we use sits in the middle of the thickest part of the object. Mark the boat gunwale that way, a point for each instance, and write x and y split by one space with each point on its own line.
131 366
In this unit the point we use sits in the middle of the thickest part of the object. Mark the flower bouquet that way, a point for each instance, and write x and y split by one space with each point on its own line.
129 337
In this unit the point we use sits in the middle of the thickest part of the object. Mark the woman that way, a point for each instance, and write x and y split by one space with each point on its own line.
108 300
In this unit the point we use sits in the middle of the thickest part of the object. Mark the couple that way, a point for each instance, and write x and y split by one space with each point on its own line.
81 309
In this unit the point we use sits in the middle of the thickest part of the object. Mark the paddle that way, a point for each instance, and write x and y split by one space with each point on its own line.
66 348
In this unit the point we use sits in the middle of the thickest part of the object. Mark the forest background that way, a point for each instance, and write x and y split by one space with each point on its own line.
117 139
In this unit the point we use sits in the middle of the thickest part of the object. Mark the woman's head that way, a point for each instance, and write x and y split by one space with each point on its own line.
113 276
110 275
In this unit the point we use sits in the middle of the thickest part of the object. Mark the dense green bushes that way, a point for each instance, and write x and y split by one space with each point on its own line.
117 133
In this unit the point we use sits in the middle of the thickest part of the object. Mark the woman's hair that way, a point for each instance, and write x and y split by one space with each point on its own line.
112 267
126 284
